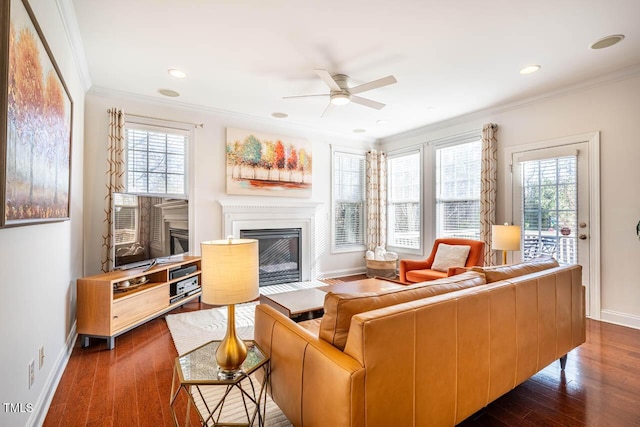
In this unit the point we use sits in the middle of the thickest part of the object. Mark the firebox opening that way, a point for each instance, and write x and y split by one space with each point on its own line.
279 252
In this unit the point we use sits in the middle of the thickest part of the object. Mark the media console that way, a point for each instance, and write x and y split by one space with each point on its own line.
110 304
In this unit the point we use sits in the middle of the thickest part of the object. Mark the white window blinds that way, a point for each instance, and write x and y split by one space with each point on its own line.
403 200
348 200
458 190
156 161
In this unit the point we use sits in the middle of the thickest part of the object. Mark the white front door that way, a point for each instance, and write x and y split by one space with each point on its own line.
552 202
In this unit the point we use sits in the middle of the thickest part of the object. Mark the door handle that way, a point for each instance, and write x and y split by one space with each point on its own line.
582 237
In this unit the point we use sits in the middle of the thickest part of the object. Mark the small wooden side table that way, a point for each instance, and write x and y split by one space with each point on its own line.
199 368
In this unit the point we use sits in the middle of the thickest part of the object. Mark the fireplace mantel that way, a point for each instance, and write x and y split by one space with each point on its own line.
238 206
243 215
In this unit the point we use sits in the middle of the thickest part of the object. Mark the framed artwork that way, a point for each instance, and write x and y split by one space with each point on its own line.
260 164
35 123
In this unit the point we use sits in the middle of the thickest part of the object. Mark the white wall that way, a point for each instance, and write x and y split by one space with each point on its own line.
39 265
208 171
613 108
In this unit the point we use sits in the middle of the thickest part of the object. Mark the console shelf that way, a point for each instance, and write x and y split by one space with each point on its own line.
106 308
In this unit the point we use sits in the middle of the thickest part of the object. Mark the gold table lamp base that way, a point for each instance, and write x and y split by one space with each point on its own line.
232 350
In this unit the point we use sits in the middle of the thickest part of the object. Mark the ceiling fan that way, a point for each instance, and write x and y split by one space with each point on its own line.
342 94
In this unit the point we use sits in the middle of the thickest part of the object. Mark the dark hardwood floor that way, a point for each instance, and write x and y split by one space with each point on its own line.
130 385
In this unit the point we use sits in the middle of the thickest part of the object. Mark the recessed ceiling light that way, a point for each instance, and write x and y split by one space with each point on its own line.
359 130
169 92
280 115
607 41
177 73
530 69
382 122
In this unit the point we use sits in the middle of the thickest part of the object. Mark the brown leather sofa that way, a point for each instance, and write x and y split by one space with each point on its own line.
429 361
415 271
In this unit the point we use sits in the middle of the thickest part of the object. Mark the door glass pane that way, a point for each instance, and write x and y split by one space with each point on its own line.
549 208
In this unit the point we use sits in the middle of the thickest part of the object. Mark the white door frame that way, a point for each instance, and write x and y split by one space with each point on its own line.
593 141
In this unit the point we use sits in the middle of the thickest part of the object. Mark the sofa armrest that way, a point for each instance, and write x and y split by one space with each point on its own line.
411 264
304 367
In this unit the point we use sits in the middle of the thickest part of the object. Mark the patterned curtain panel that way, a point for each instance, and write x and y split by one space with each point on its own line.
114 180
376 199
488 184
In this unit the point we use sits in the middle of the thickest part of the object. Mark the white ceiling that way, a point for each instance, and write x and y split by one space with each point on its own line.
450 57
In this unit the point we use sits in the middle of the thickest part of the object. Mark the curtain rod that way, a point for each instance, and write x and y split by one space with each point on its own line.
196 125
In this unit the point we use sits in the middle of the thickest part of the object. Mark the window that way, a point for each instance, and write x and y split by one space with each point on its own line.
348 200
457 188
403 200
156 160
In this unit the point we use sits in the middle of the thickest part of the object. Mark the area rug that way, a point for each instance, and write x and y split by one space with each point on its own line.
195 328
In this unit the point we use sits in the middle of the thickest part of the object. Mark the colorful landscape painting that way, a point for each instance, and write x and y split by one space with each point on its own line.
37 137
267 165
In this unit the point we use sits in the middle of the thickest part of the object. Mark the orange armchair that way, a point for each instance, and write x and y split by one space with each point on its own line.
413 271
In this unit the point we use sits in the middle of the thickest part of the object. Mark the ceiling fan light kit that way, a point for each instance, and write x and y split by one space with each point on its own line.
341 94
340 98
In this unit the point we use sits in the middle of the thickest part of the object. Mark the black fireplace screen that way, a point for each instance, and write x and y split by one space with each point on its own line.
279 254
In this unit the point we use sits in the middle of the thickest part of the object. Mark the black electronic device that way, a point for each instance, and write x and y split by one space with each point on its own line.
184 286
181 272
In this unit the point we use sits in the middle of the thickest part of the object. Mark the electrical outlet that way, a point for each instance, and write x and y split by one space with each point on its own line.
41 358
32 372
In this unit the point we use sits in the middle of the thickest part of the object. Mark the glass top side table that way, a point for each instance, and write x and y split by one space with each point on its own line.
198 368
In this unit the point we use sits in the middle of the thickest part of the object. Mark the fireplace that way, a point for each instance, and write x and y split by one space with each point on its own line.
238 216
279 254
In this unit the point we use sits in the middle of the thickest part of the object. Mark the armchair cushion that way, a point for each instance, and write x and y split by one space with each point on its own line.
450 256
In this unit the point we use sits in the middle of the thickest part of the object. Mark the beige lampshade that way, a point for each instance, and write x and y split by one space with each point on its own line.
505 237
229 271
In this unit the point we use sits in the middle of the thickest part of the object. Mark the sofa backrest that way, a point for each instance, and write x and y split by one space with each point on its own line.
339 308
457 352
504 272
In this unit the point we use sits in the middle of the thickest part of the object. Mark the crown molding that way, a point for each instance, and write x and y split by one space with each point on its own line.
623 74
70 24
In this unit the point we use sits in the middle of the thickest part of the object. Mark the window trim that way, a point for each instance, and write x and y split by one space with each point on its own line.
353 248
400 153
162 126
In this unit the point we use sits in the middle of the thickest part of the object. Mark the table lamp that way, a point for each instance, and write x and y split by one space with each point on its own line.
505 238
230 276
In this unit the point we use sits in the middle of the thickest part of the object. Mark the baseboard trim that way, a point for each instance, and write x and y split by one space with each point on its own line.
340 273
622 319
49 390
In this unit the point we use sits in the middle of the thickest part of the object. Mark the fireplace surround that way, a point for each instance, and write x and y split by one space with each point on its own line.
238 216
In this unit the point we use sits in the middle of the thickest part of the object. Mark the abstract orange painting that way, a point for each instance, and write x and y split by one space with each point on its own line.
261 164
35 125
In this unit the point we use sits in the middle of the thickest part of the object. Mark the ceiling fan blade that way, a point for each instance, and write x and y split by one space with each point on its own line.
367 102
327 110
385 81
326 77
305 96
